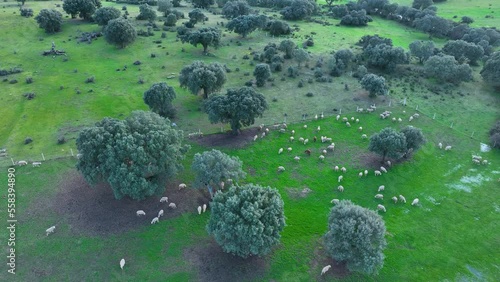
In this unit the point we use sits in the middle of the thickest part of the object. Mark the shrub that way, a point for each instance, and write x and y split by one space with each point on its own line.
90 79
28 140
120 32
29 95
26 12
61 140
29 80
103 15
49 20
146 12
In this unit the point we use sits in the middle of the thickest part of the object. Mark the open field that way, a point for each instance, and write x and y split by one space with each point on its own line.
451 236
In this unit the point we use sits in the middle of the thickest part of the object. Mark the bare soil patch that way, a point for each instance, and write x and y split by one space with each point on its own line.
95 211
321 259
228 140
213 264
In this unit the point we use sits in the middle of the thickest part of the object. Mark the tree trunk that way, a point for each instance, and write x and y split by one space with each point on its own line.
210 190
205 47
383 157
205 93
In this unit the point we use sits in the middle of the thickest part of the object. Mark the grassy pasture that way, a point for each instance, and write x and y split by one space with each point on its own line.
452 235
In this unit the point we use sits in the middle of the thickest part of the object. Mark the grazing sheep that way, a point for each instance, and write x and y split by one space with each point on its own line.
280 151
281 169
383 169
357 120
400 120
172 205
297 158
377 173
293 132
160 213
415 115
282 130
485 162
155 220
410 119
140 212
267 130
308 152
305 141
360 174
164 199
343 169
79 156
381 188
331 147
415 202
476 161
36 164
352 118
379 196
289 149
440 145
348 124
395 199
21 163
366 172
324 152
364 136
305 126
336 168
335 201
338 117
199 209
340 178
263 135
321 115
301 140
447 148
402 199
255 137
381 208
360 128
50 230
389 163
122 263
325 269
221 184
319 128
316 117
394 119
321 157
345 119
204 207
182 186
341 188
291 138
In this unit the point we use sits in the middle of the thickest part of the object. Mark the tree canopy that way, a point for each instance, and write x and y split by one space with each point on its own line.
262 72
300 55
385 56
159 98
49 20
202 3
463 51
165 6
299 9
491 70
414 139
287 46
213 167
136 156
103 15
198 76
247 220
243 25
120 32
446 69
278 28
356 18
234 9
423 50
239 107
374 84
146 12
207 36
83 8
388 143
356 236
434 25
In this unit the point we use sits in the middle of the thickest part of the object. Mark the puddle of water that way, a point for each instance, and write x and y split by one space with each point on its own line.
485 147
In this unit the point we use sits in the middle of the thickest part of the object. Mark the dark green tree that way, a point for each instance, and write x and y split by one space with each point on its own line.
422 4
120 32
262 72
386 57
287 46
388 143
243 25
414 139
196 16
213 167
247 220
146 12
202 3
446 69
50 20
83 8
462 50
239 107
159 98
171 20
491 70
374 84
299 9
356 236
234 9
136 156
301 56
356 18
176 3
422 49
198 76
434 25
165 6
278 28
207 36
103 15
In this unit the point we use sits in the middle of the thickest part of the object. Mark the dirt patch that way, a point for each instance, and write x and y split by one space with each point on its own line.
321 259
295 193
95 211
370 160
212 264
228 140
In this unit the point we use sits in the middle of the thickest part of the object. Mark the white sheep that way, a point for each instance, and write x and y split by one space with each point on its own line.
321 115
204 207
341 177
447 148
395 199
182 186
79 156
476 161
379 196
291 138
301 140
289 149
221 184
338 117
345 119
21 163
341 188
325 269
305 141
155 220
364 136
36 164
335 201
411 118
140 212
415 115
281 168
348 124
263 135
50 230
352 118
394 119
343 169
377 173
366 172
267 130
331 147
280 151
402 199
400 120
336 168
172 205
360 174
389 163
122 263
160 213
164 199
255 137
297 158
316 117
319 128
360 128
381 208
485 162
383 169
415 202
440 145
357 120
321 157
381 188
199 209
305 126
324 152
293 132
